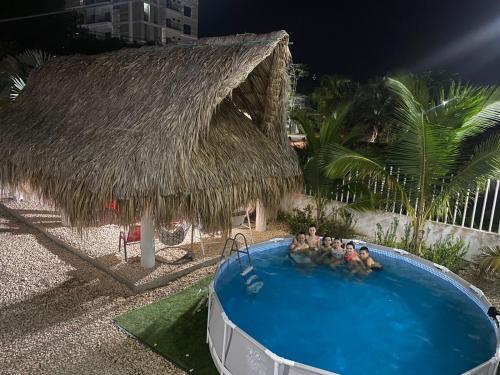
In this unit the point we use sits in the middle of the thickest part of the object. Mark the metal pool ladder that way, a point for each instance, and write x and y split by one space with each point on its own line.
236 249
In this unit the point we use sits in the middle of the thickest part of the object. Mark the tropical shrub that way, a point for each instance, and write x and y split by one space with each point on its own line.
389 237
339 223
489 260
448 252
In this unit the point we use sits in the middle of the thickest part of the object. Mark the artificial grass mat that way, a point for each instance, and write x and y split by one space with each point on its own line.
176 328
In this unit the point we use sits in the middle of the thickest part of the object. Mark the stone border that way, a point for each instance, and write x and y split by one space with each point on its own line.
160 281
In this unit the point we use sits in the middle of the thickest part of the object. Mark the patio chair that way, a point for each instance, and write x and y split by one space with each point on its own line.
238 222
130 236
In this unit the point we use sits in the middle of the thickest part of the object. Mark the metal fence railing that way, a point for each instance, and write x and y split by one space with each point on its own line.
478 209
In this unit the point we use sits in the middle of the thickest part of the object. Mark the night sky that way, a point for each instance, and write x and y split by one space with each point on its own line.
363 39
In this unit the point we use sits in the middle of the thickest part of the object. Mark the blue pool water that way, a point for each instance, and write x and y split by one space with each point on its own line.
401 320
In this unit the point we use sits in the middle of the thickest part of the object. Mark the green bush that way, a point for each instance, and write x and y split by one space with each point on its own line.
339 223
448 252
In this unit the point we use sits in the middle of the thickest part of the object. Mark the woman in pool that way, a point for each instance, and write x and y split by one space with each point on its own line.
312 239
364 255
336 255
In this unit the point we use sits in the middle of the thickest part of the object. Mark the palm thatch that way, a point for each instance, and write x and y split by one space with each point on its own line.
191 131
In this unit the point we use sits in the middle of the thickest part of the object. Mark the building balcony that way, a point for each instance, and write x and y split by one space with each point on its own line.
174 25
97 19
173 6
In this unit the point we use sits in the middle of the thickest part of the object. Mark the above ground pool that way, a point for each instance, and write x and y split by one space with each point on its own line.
409 318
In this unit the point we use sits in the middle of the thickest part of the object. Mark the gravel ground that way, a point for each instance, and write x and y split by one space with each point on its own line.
56 311
102 243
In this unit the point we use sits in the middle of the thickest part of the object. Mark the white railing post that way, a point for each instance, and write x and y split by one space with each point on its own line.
401 204
484 204
342 194
494 206
395 194
388 192
348 188
466 204
474 209
456 209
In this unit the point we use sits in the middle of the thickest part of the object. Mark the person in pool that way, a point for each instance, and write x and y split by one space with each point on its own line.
351 257
299 244
312 239
326 246
338 253
364 255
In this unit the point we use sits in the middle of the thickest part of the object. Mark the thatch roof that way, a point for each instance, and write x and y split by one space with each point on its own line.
184 130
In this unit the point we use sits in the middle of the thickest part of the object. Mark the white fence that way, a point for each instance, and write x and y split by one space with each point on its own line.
478 209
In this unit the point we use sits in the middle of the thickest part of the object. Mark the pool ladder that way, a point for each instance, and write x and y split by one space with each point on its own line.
236 249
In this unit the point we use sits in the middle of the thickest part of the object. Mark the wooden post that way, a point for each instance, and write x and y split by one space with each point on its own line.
147 241
260 219
65 219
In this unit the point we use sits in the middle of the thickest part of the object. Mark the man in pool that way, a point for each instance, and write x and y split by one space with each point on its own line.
319 255
299 244
338 253
364 255
299 250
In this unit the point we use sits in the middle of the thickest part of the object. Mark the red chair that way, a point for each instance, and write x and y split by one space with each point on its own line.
132 236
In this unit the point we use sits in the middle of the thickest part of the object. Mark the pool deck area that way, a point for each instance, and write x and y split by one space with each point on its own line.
57 310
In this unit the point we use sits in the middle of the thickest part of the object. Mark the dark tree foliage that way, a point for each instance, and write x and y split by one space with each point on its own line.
50 33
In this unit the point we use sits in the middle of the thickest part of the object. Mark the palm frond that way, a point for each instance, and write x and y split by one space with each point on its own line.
421 150
331 127
17 85
338 161
489 260
487 118
306 125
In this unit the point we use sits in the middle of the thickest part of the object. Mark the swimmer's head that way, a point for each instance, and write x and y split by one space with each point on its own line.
312 230
337 243
364 253
349 248
301 237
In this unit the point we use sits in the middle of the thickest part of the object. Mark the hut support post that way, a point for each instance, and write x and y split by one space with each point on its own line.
260 219
147 241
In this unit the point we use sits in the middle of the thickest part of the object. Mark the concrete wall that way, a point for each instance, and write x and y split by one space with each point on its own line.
366 224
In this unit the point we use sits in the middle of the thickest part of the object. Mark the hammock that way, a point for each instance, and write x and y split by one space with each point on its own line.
175 233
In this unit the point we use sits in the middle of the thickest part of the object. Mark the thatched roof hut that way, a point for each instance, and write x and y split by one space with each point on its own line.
183 131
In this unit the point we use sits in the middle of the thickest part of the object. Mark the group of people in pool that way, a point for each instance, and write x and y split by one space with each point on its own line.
332 252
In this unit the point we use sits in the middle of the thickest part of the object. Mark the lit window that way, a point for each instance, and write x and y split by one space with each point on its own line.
147 12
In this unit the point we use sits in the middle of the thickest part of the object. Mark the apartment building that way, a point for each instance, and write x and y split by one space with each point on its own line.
159 21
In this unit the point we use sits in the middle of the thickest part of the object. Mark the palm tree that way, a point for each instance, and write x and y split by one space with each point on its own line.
18 67
430 149
332 130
